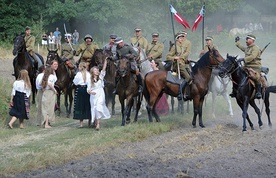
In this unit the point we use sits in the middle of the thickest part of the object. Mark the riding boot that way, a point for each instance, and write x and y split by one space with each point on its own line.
234 93
140 82
258 94
181 87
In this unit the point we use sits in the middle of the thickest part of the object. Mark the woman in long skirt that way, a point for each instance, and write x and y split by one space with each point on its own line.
82 109
20 105
97 95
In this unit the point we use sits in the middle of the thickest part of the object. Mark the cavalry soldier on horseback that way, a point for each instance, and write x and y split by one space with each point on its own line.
180 53
154 50
67 54
87 49
30 42
126 51
111 46
138 38
252 60
209 44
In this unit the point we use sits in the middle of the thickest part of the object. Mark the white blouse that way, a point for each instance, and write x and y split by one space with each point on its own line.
78 79
18 85
38 81
52 80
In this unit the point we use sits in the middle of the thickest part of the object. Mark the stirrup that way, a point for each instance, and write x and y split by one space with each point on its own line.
140 89
115 91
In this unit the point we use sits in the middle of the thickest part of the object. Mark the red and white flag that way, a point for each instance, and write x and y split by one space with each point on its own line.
178 18
199 18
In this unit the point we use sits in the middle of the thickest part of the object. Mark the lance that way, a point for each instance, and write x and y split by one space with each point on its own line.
68 40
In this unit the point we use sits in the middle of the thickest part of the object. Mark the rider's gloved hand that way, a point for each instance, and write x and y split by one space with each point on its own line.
240 60
237 39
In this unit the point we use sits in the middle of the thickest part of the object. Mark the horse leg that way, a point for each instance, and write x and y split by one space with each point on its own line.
70 101
258 112
138 106
213 104
172 103
66 104
200 122
127 111
266 101
196 109
33 92
244 106
157 118
188 107
113 103
227 99
58 103
122 111
180 107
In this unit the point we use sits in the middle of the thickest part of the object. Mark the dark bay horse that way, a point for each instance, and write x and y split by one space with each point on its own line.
156 83
109 80
64 84
270 89
24 62
244 87
127 89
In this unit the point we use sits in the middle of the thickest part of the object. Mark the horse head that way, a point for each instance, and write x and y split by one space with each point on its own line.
19 44
215 57
123 67
52 55
99 56
228 66
140 51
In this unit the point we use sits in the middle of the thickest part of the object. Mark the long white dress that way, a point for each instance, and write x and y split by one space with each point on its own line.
97 101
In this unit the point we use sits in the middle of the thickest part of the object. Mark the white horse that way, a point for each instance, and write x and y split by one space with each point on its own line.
218 86
239 31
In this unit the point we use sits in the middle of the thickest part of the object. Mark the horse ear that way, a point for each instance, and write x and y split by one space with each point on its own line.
227 55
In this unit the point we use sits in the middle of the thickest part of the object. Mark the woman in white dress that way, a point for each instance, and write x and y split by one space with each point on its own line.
97 96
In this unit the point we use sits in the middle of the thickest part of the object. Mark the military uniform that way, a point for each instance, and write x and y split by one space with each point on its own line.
183 51
128 52
141 40
67 54
252 60
87 50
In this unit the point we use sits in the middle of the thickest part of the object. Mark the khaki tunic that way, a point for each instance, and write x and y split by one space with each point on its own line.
30 42
141 40
183 51
66 51
155 50
87 51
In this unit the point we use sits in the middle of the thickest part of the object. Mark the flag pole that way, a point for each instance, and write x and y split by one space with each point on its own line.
173 30
203 24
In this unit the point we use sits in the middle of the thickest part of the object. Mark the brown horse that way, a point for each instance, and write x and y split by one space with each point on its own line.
64 83
127 89
156 83
24 61
109 80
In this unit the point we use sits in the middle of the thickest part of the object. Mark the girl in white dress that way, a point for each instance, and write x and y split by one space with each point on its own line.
97 96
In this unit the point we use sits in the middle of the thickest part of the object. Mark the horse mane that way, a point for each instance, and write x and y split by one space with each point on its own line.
202 62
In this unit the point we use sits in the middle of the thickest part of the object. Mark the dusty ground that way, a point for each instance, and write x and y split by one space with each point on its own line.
219 150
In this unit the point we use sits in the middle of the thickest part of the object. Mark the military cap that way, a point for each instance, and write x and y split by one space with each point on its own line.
155 34
118 40
183 32
113 36
179 35
209 38
27 28
137 29
251 37
88 36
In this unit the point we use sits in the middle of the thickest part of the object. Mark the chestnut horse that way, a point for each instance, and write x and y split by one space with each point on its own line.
24 62
127 89
64 83
156 83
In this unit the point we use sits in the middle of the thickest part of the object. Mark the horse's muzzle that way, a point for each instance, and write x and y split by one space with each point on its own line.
14 53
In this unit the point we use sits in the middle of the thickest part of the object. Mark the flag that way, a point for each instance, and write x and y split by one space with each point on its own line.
178 18
199 18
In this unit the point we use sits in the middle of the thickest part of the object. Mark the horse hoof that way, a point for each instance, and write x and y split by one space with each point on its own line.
260 127
113 112
201 125
194 126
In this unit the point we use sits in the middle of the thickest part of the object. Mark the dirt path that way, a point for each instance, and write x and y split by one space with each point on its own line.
220 150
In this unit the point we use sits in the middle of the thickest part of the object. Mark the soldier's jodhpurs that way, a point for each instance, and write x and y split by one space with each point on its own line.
184 71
